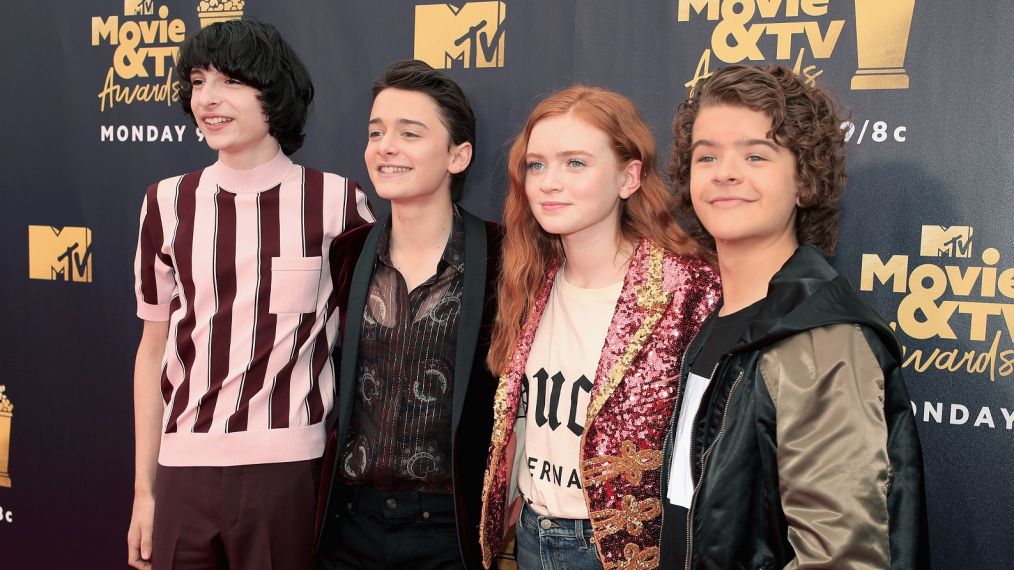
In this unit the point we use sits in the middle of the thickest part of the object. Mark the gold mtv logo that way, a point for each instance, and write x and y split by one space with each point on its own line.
6 417
469 35
138 7
946 241
56 254
882 29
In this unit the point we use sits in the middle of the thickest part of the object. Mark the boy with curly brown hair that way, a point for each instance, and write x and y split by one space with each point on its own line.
793 444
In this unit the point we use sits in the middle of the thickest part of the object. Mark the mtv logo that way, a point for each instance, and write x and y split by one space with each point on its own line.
56 254
138 7
946 241
466 35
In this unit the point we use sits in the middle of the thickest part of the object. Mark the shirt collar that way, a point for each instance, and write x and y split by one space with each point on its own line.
454 251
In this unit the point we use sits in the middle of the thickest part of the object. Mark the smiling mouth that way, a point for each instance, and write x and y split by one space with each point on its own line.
394 169
215 121
728 202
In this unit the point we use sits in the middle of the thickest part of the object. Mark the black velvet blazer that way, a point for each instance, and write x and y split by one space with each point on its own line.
353 256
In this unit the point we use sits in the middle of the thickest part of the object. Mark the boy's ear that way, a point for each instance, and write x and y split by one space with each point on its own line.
804 195
461 157
631 181
807 197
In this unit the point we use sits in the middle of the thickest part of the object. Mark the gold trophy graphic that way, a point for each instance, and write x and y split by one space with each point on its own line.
882 28
6 415
211 11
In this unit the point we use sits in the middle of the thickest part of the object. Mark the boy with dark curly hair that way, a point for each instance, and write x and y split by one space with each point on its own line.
793 445
233 379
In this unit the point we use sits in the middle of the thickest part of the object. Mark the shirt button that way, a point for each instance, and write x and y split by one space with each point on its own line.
546 523
426 515
391 503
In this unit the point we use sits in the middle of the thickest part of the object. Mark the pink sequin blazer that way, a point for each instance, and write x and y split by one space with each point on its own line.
664 300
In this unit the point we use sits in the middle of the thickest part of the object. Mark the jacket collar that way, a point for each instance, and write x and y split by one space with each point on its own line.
807 293
641 305
643 300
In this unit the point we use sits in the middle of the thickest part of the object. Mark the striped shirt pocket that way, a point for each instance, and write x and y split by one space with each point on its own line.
294 283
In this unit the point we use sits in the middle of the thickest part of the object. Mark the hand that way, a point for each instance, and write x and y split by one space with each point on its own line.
139 534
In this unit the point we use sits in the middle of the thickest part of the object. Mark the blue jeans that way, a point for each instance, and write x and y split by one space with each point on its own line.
549 543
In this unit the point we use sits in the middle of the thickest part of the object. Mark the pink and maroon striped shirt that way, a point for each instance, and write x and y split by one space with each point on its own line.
237 262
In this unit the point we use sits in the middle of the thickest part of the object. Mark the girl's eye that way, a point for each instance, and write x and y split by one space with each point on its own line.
705 158
196 82
755 158
409 135
575 163
374 134
535 166
232 81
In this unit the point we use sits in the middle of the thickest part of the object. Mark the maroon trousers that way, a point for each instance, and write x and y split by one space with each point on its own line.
252 517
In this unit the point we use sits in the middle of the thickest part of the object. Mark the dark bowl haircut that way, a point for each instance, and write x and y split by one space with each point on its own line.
254 53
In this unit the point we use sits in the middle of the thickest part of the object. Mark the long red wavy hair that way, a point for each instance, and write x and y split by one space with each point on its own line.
528 250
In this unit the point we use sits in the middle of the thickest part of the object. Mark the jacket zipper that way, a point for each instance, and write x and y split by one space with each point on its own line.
704 464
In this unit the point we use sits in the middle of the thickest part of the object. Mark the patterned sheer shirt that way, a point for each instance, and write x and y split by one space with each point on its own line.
400 431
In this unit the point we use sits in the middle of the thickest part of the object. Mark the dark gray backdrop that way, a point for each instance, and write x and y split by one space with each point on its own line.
68 346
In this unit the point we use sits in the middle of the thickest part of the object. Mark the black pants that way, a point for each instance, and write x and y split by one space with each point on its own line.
391 530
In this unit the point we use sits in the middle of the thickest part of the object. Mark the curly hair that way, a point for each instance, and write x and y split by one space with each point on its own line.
254 53
528 250
455 109
803 119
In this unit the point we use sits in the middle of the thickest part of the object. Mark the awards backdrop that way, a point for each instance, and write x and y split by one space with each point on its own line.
91 120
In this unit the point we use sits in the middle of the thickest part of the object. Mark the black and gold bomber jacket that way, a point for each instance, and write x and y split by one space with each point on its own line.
804 451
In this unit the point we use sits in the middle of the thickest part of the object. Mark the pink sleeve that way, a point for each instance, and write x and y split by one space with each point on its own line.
154 278
358 210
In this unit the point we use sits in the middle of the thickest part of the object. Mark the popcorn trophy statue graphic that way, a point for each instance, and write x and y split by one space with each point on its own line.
211 11
882 28
6 416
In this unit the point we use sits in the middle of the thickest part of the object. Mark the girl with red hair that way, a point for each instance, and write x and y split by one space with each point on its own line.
600 294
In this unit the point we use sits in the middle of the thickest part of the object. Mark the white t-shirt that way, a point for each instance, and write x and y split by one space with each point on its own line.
681 485
559 376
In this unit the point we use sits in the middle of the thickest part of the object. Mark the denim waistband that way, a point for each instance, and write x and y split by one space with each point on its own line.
553 526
